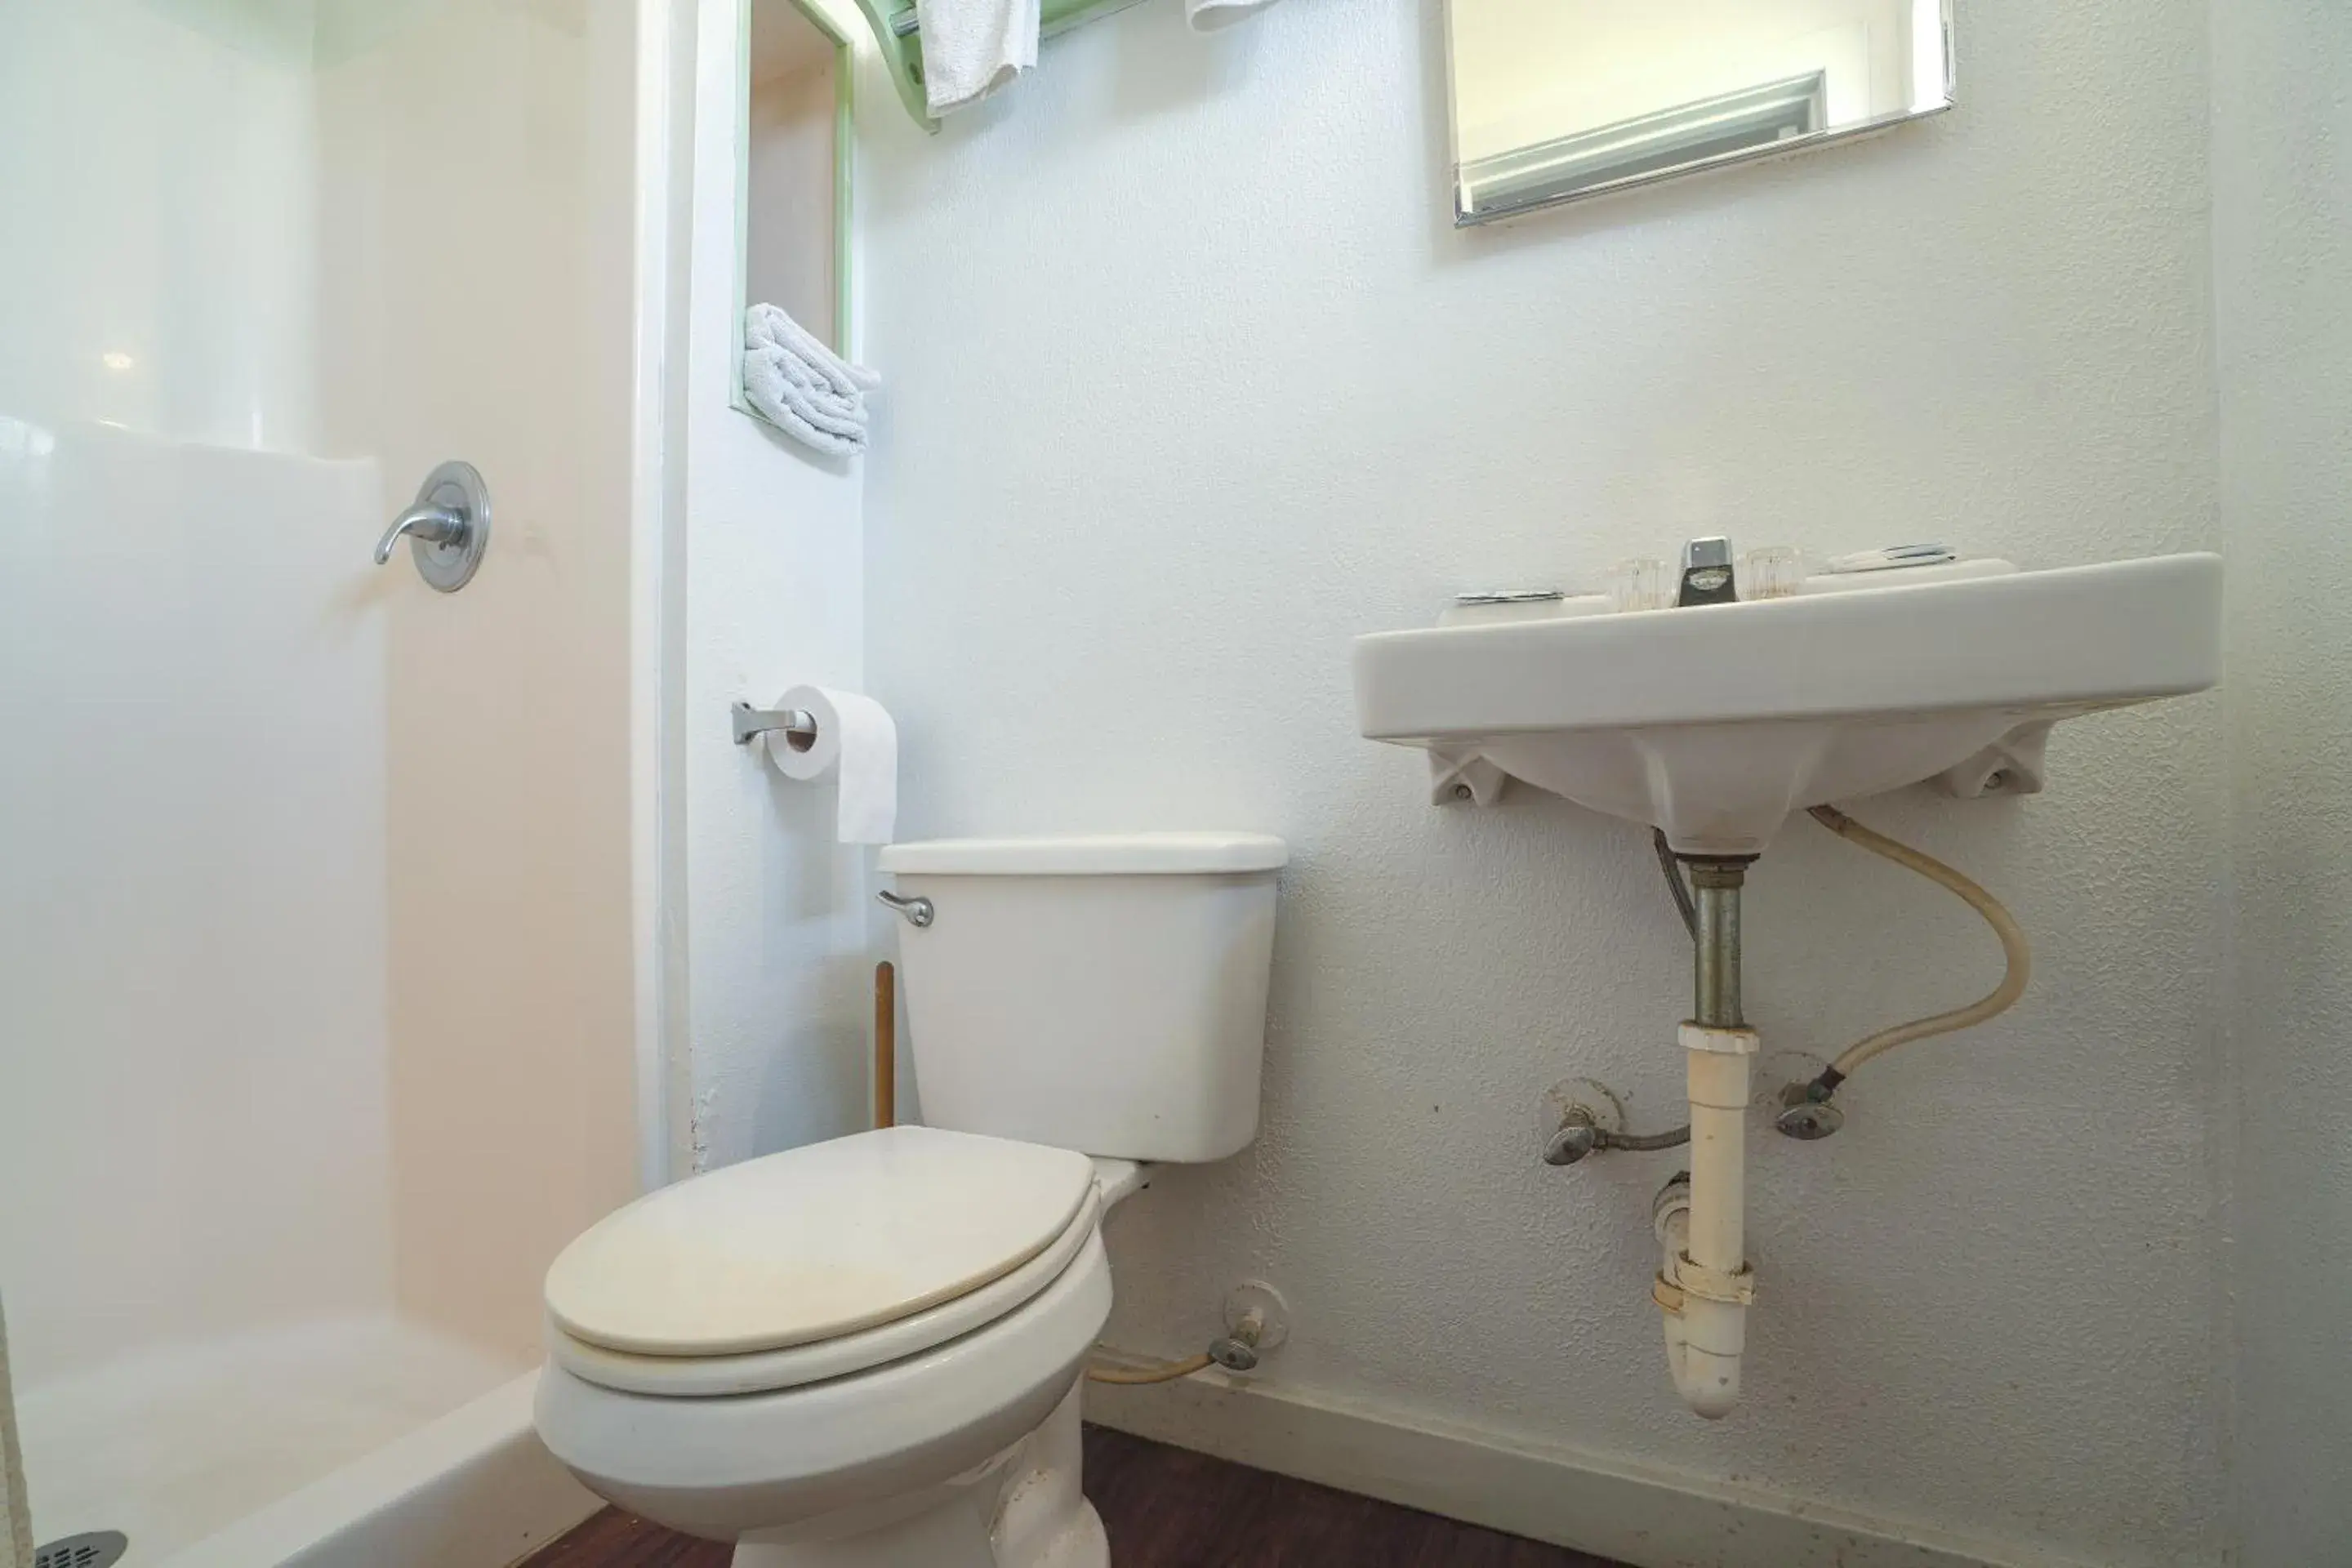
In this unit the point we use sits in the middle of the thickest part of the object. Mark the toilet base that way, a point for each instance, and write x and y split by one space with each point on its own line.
1083 1545
1024 1509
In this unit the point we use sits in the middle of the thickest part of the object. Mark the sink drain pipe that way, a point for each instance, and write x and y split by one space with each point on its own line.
1704 1286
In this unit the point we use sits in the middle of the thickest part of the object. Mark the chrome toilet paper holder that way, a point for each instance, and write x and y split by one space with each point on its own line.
797 725
844 738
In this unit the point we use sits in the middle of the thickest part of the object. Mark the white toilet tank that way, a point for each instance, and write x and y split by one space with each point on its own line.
1105 995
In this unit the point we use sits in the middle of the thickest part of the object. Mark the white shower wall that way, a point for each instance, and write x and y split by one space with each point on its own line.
192 1134
315 960
192 933
474 243
159 161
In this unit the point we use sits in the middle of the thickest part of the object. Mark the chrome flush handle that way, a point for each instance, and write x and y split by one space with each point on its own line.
918 912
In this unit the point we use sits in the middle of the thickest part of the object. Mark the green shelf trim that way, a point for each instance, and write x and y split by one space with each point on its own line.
902 58
844 170
902 55
1061 15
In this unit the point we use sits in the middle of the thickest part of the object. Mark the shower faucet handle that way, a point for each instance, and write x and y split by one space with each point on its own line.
448 527
433 524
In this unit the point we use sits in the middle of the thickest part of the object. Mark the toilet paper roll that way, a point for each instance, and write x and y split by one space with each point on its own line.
856 739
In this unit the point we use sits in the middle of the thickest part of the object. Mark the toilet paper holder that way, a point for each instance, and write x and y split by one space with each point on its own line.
844 738
797 725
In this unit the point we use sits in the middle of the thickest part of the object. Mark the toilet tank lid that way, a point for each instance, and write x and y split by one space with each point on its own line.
1094 855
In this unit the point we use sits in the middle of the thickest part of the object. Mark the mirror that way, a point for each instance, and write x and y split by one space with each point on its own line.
793 163
1555 100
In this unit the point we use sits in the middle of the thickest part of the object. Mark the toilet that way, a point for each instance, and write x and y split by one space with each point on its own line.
867 1353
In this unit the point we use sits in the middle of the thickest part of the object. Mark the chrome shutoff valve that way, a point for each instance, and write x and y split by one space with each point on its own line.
1258 1320
1579 1136
1234 1353
1244 1332
1807 1114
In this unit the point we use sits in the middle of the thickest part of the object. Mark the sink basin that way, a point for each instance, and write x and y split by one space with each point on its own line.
1715 722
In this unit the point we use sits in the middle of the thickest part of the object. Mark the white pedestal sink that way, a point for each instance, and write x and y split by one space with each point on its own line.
1715 722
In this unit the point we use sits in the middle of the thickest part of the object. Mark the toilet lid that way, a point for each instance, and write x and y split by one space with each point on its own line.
814 1243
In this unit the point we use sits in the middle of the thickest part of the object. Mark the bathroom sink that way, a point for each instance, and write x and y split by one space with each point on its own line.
1716 721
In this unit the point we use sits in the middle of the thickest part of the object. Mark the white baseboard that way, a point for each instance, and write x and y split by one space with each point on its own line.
1650 1519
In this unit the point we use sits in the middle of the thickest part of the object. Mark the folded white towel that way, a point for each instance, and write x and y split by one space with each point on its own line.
1208 15
972 48
801 386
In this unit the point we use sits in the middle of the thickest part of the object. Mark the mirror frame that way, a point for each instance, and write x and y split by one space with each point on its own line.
845 74
1467 216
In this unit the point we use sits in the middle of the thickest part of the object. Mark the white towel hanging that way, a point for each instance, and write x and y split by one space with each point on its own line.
972 48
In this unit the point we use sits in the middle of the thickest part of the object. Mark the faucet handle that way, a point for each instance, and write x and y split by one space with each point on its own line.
1707 576
448 527
433 524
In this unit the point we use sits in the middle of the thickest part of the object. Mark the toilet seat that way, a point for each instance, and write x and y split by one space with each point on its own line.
765 1372
814 1244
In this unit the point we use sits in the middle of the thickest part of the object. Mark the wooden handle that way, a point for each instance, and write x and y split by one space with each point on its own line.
886 1044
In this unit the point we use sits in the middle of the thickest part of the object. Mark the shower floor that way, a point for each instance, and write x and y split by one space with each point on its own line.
170 1444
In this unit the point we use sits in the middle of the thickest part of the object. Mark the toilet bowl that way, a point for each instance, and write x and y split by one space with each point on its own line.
908 1458
867 1353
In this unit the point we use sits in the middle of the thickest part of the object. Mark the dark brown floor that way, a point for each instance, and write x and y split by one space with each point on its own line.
1165 1508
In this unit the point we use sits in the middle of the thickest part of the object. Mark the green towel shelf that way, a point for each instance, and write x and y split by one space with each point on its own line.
900 35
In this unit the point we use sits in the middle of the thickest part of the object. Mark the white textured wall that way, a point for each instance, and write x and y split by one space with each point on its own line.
778 971
1191 381
2283 249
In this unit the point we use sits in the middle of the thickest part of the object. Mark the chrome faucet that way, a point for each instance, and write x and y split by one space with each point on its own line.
433 524
447 527
1706 574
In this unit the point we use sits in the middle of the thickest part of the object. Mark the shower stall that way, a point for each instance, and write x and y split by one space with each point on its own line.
318 979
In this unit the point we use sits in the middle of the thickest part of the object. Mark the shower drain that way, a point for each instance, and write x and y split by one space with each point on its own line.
94 1548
